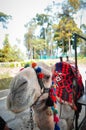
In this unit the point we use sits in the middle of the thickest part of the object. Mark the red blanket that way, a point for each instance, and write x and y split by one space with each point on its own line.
65 79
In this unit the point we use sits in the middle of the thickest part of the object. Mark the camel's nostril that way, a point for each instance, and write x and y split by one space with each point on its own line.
23 83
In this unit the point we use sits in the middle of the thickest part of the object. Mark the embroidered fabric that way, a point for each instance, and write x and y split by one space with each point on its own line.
64 77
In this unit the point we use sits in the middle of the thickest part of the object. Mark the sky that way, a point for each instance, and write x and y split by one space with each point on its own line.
21 11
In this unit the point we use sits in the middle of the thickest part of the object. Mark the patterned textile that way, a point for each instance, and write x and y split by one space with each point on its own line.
64 77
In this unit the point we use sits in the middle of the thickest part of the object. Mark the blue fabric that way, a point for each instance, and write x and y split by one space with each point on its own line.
59 67
38 70
56 127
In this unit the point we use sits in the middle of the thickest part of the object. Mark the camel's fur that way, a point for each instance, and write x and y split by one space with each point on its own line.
24 91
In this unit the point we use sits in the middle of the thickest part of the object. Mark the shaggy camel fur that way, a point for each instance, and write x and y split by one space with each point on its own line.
25 90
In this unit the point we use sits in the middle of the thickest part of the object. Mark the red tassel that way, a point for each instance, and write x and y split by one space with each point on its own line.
53 98
56 118
40 75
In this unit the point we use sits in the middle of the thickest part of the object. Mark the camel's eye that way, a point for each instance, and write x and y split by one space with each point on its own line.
47 77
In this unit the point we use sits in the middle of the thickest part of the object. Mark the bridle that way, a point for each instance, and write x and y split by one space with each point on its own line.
43 90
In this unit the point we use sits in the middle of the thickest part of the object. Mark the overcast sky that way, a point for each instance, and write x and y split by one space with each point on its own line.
21 11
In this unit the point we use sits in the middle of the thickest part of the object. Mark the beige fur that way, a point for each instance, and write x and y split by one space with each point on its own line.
24 91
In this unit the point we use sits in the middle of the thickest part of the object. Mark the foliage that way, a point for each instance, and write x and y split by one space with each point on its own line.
4 18
41 19
64 31
9 53
74 3
66 27
4 83
82 4
81 59
83 27
34 45
83 49
68 9
39 43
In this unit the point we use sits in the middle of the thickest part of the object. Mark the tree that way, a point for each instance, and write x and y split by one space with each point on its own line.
82 4
83 49
6 48
75 4
83 27
45 23
9 53
54 27
64 31
78 4
39 47
48 19
30 37
34 45
4 18
67 25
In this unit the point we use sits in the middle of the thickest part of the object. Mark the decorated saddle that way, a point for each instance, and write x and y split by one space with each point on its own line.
69 85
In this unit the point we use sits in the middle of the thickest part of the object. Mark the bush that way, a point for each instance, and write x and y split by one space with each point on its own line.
4 83
82 60
22 64
12 65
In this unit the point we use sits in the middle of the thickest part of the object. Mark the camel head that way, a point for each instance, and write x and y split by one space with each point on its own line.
25 87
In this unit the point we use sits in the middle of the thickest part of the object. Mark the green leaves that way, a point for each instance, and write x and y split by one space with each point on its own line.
4 18
75 4
9 53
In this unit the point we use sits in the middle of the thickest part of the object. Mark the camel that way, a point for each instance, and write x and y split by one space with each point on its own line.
26 92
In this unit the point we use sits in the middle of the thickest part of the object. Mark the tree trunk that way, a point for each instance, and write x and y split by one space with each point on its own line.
69 46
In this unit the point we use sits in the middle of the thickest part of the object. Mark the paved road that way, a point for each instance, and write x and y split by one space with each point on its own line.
4 93
16 122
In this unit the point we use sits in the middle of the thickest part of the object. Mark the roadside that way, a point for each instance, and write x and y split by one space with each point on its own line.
3 93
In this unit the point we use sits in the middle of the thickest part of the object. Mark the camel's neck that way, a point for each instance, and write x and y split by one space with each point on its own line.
43 115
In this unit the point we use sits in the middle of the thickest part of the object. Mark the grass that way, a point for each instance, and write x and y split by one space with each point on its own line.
4 83
4 80
82 60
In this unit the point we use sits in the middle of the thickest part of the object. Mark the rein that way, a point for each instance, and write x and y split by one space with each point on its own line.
43 90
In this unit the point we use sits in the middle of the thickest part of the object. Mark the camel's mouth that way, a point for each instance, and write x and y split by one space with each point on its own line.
19 104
